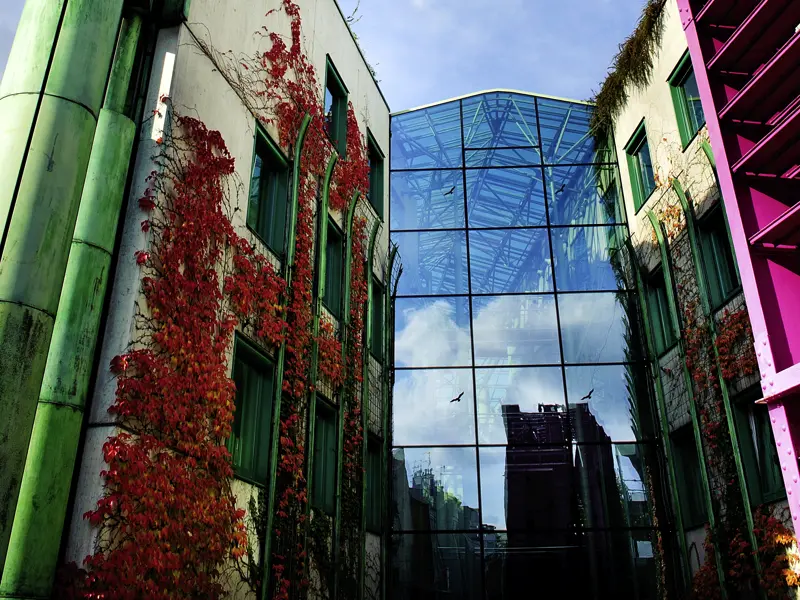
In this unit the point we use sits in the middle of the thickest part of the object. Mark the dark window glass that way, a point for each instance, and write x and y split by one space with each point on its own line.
376 196
692 95
375 483
323 494
251 433
640 166
687 471
686 99
759 453
269 195
377 331
334 267
718 259
336 109
664 335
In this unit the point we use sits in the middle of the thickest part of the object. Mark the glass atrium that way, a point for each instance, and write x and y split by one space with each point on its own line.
522 434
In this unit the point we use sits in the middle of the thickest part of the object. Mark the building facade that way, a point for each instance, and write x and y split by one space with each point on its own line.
194 303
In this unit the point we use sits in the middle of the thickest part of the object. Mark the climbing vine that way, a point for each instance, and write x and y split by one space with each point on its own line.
169 521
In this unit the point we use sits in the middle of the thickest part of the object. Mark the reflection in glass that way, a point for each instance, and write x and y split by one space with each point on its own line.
583 257
434 263
434 489
505 198
583 195
427 200
428 138
499 120
502 157
566 137
424 412
509 260
506 396
515 330
603 403
525 488
432 332
424 566
593 327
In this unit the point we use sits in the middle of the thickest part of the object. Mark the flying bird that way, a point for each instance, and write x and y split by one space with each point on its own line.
457 398
561 189
587 396
450 191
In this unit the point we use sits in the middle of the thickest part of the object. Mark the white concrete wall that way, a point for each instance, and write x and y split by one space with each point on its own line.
195 88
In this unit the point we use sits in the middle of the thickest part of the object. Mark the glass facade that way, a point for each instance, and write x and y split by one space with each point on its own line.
522 428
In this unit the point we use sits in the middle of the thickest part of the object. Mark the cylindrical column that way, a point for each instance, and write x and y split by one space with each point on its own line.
42 179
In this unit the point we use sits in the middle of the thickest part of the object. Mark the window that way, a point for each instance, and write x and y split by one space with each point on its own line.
686 98
323 494
374 486
718 261
269 194
376 308
687 472
375 175
759 454
335 108
334 267
640 166
664 335
251 433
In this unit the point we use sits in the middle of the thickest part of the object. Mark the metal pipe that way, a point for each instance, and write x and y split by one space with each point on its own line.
47 174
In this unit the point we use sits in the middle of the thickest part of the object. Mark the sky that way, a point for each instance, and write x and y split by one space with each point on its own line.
429 50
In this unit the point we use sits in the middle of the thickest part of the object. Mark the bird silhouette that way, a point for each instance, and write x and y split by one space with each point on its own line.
587 396
450 191
457 398
561 189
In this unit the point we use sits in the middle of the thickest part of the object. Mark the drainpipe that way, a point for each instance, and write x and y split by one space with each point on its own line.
50 98
44 493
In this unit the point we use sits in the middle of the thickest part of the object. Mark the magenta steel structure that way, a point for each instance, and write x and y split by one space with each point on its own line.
746 57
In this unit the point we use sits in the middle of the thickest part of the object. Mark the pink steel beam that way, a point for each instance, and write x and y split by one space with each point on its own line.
785 420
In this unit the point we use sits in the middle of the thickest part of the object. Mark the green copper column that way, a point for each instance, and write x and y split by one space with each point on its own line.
42 180
39 519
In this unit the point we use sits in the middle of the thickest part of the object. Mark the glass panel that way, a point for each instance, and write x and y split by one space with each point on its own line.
692 94
566 137
525 488
432 332
423 409
645 169
593 327
435 489
515 330
499 119
583 260
427 200
507 397
603 403
505 198
611 484
583 195
434 263
428 567
428 138
502 157
509 260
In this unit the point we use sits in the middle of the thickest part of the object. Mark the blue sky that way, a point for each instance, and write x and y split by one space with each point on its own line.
429 50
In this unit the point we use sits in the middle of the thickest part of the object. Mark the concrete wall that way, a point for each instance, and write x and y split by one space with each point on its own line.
195 88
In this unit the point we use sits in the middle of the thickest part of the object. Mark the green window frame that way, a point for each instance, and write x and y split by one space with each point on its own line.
268 201
377 325
334 268
661 323
757 446
374 468
640 166
686 100
718 259
323 492
335 108
376 175
687 472
251 433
